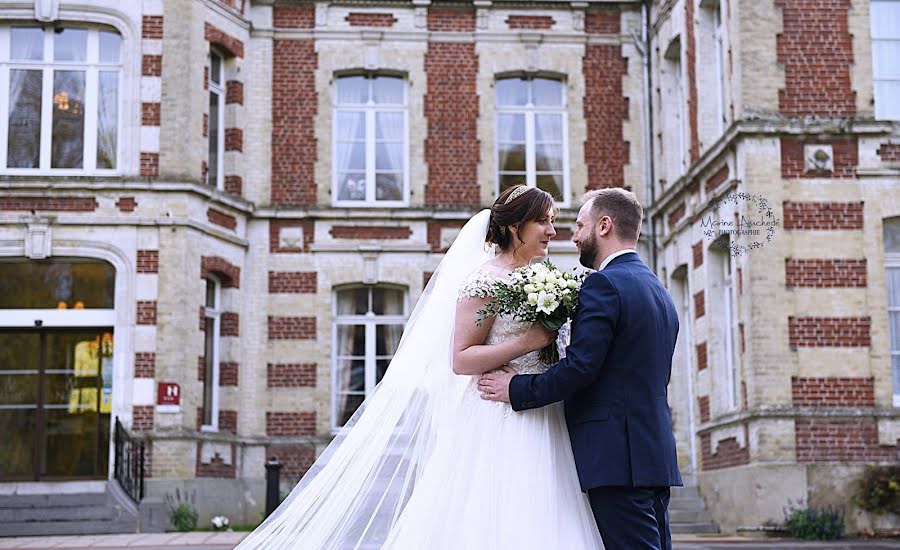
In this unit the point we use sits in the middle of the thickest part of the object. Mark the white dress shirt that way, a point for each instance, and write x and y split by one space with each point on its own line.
615 255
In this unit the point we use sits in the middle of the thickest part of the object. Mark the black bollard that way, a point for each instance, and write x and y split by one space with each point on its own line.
273 473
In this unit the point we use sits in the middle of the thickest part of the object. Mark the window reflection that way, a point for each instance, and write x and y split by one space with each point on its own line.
27 284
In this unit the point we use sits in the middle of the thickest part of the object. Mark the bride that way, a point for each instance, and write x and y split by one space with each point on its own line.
426 463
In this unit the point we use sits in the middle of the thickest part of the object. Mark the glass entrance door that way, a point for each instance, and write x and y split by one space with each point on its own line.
55 397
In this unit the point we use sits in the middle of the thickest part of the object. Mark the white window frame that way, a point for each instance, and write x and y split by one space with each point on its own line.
370 321
214 313
719 45
731 360
880 103
219 90
370 108
530 110
92 67
674 136
891 262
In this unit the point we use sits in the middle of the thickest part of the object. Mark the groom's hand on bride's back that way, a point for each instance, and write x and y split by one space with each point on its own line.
537 337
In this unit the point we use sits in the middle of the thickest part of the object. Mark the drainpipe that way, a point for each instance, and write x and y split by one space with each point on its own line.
642 44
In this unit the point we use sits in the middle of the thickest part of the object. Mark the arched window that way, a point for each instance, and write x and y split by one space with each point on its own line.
368 322
62 112
370 141
216 122
532 140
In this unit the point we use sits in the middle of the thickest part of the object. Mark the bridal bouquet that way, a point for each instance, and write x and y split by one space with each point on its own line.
538 293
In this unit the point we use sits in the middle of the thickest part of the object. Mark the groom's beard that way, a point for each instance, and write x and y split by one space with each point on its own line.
588 252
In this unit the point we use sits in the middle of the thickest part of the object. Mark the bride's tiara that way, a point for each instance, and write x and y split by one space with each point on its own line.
517 192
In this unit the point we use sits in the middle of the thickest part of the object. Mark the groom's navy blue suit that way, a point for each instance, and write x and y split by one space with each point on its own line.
613 383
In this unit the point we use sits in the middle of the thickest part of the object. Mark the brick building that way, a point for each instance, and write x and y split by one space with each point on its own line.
246 198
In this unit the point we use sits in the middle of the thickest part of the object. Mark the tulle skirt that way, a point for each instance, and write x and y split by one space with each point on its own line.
496 480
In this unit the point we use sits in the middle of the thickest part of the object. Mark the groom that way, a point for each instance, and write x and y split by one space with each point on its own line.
613 379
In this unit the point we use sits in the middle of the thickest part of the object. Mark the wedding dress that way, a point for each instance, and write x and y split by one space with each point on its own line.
426 463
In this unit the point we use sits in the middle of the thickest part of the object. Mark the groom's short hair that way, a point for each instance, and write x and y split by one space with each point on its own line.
620 205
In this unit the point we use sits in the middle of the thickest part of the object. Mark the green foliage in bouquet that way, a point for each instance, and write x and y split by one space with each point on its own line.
538 293
878 490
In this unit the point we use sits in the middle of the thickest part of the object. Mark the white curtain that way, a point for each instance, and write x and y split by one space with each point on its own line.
389 136
548 130
25 110
512 92
388 90
107 119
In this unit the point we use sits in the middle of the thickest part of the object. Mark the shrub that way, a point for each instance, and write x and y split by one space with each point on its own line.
878 490
184 517
815 523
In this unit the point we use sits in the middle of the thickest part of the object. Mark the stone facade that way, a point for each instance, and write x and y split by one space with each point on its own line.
669 119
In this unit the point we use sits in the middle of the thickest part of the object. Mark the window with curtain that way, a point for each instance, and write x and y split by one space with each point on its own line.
532 135
370 141
886 58
368 322
892 266
211 337
61 110
216 122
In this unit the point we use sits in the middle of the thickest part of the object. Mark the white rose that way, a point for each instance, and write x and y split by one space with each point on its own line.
533 298
529 288
540 277
565 291
551 278
573 283
539 286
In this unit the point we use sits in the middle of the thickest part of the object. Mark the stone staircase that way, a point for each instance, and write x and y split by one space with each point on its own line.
68 513
688 513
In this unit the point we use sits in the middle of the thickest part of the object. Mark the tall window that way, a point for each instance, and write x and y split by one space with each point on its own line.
216 120
892 265
719 45
673 129
532 135
721 262
886 57
368 322
370 141
62 108
211 315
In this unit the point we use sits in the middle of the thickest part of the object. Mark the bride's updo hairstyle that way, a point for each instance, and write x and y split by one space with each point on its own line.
515 207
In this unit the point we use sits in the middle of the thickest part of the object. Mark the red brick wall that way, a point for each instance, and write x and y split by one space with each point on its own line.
846 157
144 364
152 27
605 109
301 16
275 228
292 328
699 304
234 139
149 164
228 274
357 19
146 312
825 273
369 232
844 440
532 22
151 65
229 324
833 392
717 179
228 373
221 218
697 254
234 185
842 332
126 204
142 418
148 261
602 20
291 375
57 204
823 215
728 453
290 423
150 114
434 232
690 50
293 282
224 41
216 467
451 19
294 99
234 92
703 403
451 107
676 215
702 357
889 152
295 459
816 49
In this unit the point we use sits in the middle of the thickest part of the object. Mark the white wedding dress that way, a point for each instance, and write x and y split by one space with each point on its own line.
425 463
499 479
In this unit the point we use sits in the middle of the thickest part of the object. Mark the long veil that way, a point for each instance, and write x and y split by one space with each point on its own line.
355 492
